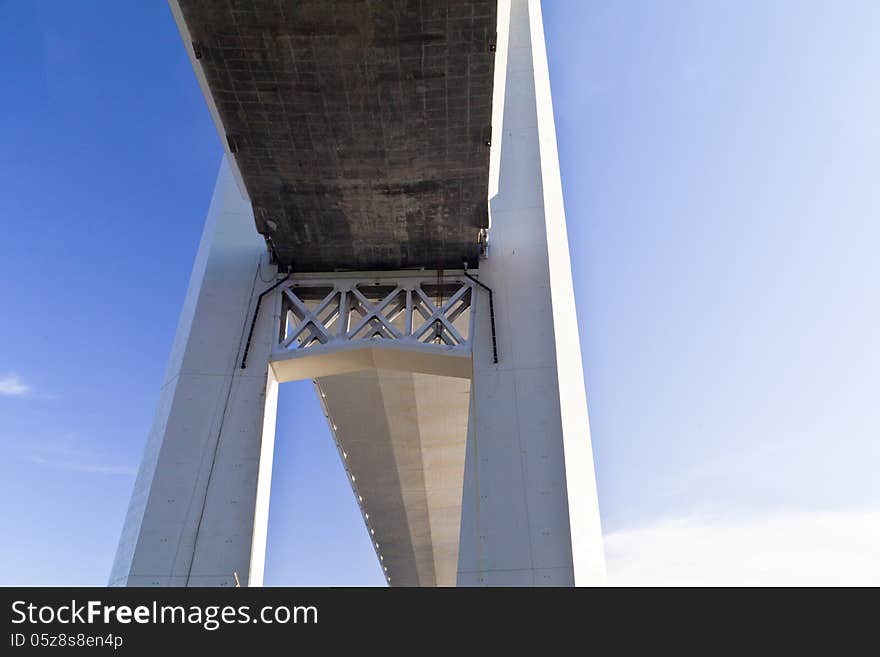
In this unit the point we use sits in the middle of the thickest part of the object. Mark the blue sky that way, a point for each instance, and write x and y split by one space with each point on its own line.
720 165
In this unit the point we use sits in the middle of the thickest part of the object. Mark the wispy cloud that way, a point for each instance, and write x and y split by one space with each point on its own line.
11 385
85 466
782 548
67 454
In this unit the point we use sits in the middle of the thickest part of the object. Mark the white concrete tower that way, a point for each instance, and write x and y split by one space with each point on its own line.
464 435
196 513
530 515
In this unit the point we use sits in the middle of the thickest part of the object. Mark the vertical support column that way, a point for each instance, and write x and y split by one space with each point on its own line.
530 513
199 508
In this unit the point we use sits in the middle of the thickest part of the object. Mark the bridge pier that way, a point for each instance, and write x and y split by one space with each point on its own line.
194 514
530 514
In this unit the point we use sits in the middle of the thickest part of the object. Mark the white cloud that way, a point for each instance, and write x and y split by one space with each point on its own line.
781 548
66 453
12 386
78 466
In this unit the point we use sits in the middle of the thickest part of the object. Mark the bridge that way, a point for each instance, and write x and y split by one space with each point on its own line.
388 223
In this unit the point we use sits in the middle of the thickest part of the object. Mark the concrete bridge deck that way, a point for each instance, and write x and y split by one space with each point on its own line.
361 130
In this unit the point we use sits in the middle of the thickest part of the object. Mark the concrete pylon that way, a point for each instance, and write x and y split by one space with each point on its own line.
195 513
467 471
530 513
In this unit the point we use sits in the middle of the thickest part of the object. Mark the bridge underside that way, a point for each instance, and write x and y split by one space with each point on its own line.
361 130
402 438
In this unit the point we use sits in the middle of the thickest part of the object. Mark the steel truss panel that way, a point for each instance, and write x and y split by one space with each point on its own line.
421 315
